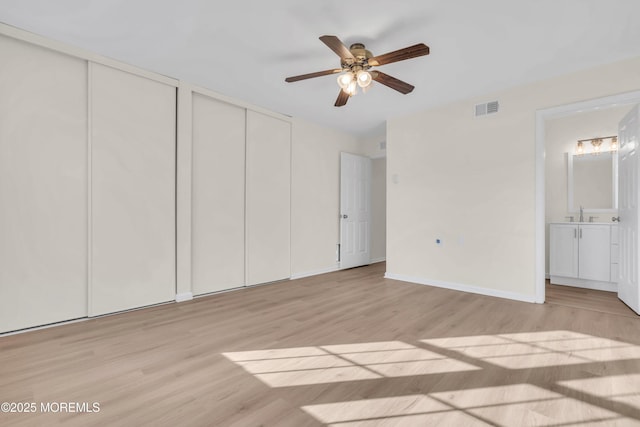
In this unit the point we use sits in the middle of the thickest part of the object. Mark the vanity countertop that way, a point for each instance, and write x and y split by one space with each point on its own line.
583 223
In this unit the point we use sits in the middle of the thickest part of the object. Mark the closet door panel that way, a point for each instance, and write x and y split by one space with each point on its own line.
268 202
218 195
133 191
43 186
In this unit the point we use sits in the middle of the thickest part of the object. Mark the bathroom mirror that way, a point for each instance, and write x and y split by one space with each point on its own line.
592 182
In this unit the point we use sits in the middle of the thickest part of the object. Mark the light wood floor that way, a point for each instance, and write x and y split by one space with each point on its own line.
344 349
605 302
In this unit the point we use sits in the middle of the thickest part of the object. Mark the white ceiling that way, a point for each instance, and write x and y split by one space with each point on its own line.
245 49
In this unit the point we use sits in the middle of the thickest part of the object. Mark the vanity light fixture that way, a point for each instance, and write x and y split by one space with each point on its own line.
596 143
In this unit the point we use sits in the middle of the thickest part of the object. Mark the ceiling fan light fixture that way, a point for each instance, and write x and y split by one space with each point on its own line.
355 62
344 80
364 78
352 89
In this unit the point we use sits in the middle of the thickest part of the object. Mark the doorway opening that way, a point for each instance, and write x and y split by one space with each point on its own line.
543 119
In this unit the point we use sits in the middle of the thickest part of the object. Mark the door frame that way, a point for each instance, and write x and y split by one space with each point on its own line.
542 115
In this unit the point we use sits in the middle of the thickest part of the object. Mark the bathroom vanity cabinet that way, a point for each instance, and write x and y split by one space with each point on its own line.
584 255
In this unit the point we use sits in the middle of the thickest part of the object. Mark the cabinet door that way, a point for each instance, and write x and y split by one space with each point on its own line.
563 250
595 252
132 191
268 204
217 216
43 186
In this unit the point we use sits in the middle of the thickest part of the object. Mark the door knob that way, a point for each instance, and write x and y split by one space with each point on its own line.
615 218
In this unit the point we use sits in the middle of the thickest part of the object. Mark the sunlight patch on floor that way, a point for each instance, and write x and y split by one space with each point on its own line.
345 362
619 388
277 353
519 404
525 404
293 364
316 376
409 411
538 349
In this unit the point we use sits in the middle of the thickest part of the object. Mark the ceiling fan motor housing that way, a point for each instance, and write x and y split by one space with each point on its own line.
361 54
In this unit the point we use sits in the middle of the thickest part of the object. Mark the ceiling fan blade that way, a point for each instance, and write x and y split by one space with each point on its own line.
338 47
343 97
392 82
414 51
312 75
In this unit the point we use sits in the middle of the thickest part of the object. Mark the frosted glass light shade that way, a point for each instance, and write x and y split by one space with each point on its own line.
344 80
364 78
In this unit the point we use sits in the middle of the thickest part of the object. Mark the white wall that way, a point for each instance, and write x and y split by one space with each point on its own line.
374 146
315 195
561 137
378 209
471 183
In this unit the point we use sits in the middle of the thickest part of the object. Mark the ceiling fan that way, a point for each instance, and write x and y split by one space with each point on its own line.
356 63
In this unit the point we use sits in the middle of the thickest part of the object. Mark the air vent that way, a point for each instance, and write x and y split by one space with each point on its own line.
487 108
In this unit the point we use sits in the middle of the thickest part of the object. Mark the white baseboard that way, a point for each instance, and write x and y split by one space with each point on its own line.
375 260
582 283
315 272
185 296
46 326
462 287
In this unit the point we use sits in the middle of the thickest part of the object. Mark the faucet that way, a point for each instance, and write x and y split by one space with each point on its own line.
581 214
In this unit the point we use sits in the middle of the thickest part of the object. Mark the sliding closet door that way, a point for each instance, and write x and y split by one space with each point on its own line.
43 186
132 191
268 200
217 195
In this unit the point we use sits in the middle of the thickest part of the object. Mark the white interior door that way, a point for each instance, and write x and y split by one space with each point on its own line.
132 191
355 210
217 194
268 199
628 286
43 186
